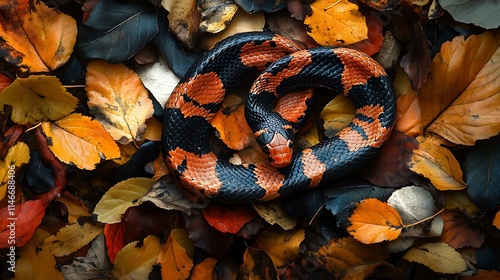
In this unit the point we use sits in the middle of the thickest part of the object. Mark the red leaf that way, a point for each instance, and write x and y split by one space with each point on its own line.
375 38
228 219
18 225
114 239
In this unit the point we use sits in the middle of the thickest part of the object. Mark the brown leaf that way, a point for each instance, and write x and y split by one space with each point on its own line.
184 21
374 221
281 245
256 265
452 70
461 230
35 38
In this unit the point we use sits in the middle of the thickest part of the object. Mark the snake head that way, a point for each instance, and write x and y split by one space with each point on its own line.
278 145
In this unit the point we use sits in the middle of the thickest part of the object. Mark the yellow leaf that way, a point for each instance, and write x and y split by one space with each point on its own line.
174 258
215 16
37 98
452 70
475 114
439 257
35 38
274 213
17 155
36 261
134 262
374 221
335 23
184 20
71 238
337 114
118 100
76 207
281 245
437 164
119 198
80 140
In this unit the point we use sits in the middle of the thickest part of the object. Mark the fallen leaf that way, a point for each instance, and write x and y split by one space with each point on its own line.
75 206
44 98
375 39
175 259
118 100
273 213
341 255
437 164
413 204
71 238
228 219
281 245
36 261
475 113
231 124
480 13
114 239
17 155
452 70
136 262
256 265
439 257
24 219
184 21
337 114
79 140
408 114
335 23
95 265
119 198
216 15
205 270
496 220
35 38
374 221
461 229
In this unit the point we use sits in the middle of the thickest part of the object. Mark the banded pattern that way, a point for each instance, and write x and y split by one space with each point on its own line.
199 95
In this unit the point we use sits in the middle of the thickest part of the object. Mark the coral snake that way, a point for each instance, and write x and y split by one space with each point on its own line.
283 66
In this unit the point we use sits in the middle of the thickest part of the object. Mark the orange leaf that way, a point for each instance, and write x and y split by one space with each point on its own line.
204 270
35 38
231 124
374 221
496 220
452 71
257 265
437 164
474 115
336 23
175 262
281 245
23 221
228 219
343 255
408 114
81 141
118 100
375 39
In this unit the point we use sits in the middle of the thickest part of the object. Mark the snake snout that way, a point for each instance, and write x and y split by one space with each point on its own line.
280 150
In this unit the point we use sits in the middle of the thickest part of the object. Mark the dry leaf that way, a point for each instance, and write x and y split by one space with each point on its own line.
336 23
496 220
118 100
79 140
17 155
475 114
452 70
281 245
76 207
437 164
35 38
228 219
337 114
216 15
175 260
119 198
136 262
461 229
71 238
36 261
184 21
26 217
256 265
439 257
374 221
231 124
205 270
273 213
408 114
44 98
